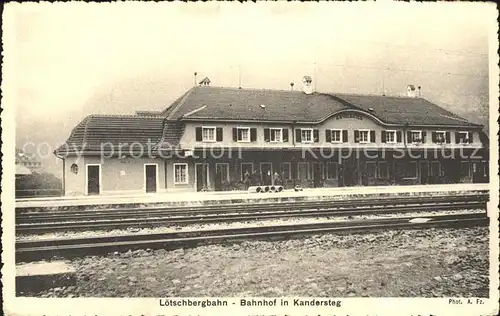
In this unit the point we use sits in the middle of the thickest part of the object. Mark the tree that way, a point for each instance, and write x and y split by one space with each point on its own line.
38 184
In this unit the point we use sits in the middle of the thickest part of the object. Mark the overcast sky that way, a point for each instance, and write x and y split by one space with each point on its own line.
72 60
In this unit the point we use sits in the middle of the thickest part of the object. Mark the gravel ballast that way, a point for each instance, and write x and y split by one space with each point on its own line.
253 223
411 263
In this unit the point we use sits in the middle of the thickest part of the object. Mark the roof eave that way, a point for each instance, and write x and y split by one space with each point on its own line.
211 119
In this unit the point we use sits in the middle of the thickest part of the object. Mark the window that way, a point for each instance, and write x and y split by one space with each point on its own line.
464 138
286 170
485 168
336 135
74 168
364 136
382 170
208 134
371 169
276 135
240 134
222 171
303 171
465 169
246 167
180 173
435 168
440 137
415 137
307 135
331 170
390 137
244 134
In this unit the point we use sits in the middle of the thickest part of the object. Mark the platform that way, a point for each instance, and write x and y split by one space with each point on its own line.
38 276
202 198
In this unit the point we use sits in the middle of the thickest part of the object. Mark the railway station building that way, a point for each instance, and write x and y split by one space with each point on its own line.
217 139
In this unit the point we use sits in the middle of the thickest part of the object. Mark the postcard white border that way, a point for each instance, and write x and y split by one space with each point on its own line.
150 306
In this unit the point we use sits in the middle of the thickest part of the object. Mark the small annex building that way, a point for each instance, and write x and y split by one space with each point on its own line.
216 138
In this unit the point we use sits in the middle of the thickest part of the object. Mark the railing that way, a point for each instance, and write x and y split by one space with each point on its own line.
39 193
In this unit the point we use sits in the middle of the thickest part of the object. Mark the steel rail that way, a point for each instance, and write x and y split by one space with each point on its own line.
42 249
254 209
349 202
147 212
226 218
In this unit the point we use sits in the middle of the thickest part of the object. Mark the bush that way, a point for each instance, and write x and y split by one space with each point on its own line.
38 184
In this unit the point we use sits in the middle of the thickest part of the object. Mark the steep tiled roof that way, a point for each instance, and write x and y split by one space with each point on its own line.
168 111
216 103
148 113
172 133
251 104
113 132
164 129
401 110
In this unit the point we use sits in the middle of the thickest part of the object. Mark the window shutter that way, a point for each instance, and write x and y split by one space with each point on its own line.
457 137
285 135
408 139
235 134
448 137
328 136
356 136
219 133
267 137
253 134
199 136
399 137
298 135
316 135
470 137
384 137
434 137
344 136
372 136
424 134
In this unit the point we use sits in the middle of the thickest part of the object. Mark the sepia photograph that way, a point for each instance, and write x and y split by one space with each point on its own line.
269 158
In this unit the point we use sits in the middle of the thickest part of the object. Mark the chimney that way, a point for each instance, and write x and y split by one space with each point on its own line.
308 88
411 91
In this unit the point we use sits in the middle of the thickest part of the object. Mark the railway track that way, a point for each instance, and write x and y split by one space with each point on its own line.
107 220
30 214
31 250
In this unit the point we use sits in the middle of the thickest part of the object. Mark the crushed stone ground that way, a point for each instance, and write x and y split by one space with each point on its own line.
412 263
240 224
